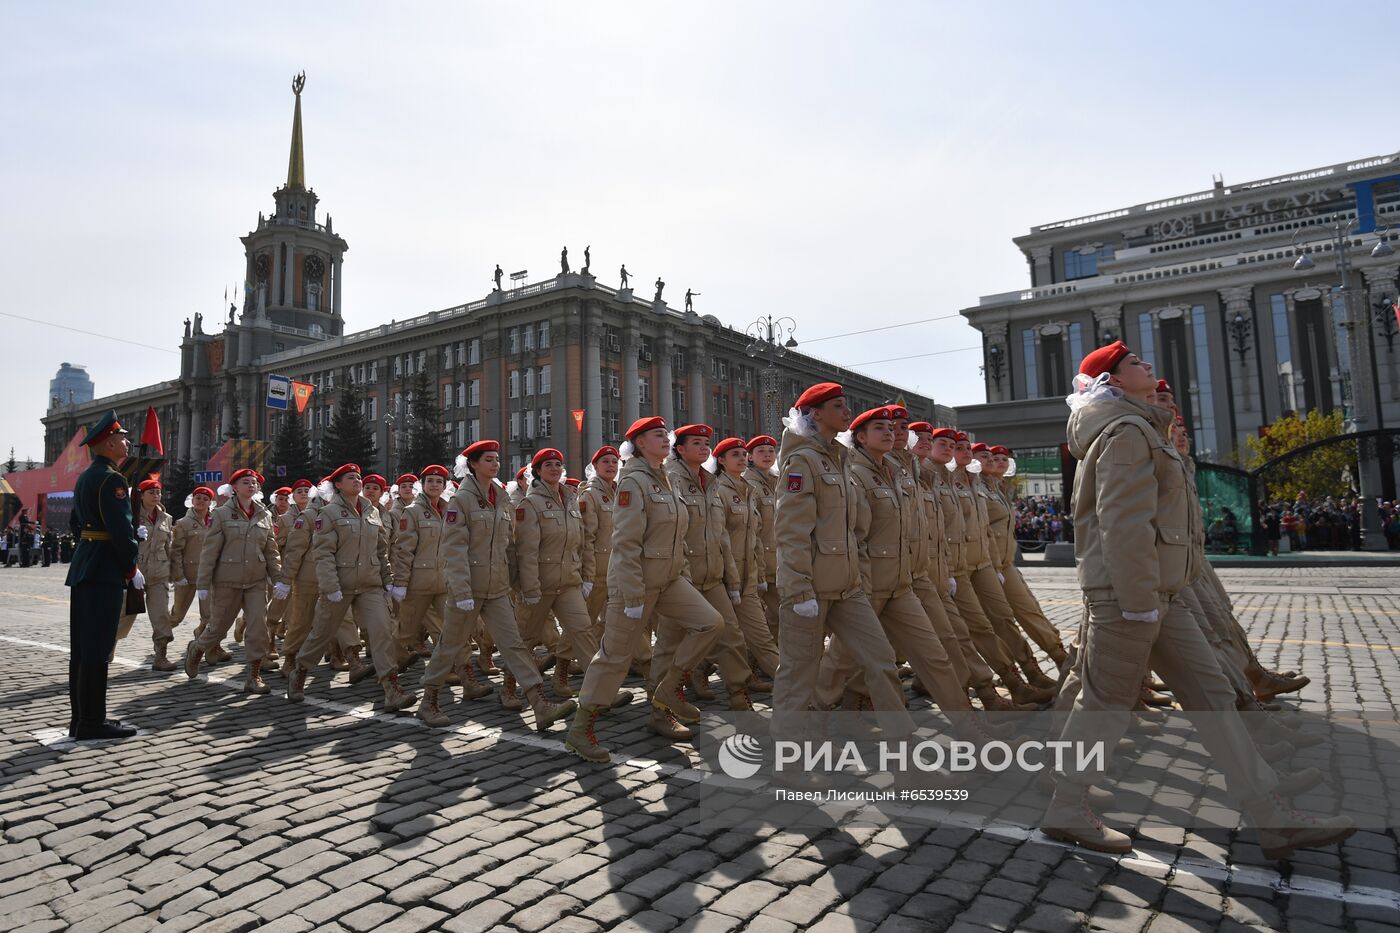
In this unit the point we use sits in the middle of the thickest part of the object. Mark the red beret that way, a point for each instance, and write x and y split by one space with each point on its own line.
342 470
432 470
283 491
1000 451
571 481
883 413
694 430
760 441
1104 359
473 451
152 483
239 474
377 480
920 426
980 446
301 484
645 424
728 444
406 478
203 491
899 412
549 453
1162 386
960 437
520 473
819 393
949 433
603 452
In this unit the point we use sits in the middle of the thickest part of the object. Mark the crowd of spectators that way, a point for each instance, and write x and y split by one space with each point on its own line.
1329 524
1042 519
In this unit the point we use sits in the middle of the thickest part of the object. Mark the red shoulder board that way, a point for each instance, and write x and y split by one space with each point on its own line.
318 523
403 524
794 482
119 492
299 523
451 516
520 514
624 498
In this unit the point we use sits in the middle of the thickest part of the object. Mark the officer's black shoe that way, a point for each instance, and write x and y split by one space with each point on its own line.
106 730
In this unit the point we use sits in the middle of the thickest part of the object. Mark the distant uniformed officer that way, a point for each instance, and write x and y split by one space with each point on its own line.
297 586
239 560
763 455
103 563
419 585
281 508
154 530
185 550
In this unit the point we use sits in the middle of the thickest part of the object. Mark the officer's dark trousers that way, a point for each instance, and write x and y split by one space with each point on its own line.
93 612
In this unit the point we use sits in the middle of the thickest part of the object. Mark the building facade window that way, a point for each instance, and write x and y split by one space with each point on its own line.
644 390
1078 265
474 352
1283 353
1339 337
529 381
1147 349
515 425
473 431
546 422
1206 438
474 393
544 335
514 337
544 379
1028 351
513 383
529 338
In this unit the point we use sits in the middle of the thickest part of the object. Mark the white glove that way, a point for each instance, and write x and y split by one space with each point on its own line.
466 605
1141 616
143 533
281 591
201 595
531 600
736 597
335 597
763 587
807 609
1001 578
139 581
952 586
400 593
633 612
587 590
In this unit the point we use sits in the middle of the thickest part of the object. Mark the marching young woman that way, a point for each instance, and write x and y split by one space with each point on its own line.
297 588
186 546
595 502
478 553
551 550
1132 540
648 573
154 531
763 454
350 547
742 520
281 508
238 562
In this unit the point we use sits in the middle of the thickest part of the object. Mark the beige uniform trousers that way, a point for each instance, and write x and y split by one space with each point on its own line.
998 611
184 598
770 608
1219 643
1028 612
679 600
1222 622
1117 655
158 611
979 627
927 595
979 674
597 603
497 617
301 607
753 623
228 602
576 642
727 650
801 642
419 615
911 634
371 613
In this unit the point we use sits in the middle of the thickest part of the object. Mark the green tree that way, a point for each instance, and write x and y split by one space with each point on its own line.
10 464
235 428
348 439
1316 475
425 441
292 449
177 482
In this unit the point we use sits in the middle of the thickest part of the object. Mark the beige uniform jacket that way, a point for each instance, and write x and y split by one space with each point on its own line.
706 541
741 522
1001 522
298 564
920 552
974 529
416 560
765 485
551 548
886 511
478 541
1133 525
350 546
188 545
595 502
239 550
815 521
950 512
649 533
153 555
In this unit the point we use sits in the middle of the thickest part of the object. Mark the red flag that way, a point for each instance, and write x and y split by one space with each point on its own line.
578 417
301 394
151 433
1396 308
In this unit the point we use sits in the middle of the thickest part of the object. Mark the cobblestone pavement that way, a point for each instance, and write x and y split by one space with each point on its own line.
231 812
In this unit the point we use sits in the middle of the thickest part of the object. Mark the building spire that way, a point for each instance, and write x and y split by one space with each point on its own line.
296 168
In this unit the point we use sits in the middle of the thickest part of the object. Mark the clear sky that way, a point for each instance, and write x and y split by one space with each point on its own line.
848 164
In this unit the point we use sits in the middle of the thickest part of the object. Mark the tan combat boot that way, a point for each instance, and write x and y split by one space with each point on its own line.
1283 830
192 658
488 666
253 682
759 684
739 699
428 710
510 698
358 669
1023 692
1036 677
162 663
670 696
239 628
296 685
994 702
1070 818
560 683
395 699
662 723
472 689
582 740
546 713
217 655
699 684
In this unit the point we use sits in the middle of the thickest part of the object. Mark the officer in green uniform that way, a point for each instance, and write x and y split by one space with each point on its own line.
103 563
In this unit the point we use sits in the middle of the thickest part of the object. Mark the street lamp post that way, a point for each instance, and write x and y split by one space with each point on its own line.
770 338
1359 347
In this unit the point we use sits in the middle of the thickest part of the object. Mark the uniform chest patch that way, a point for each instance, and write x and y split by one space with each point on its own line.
655 487
119 492
794 482
606 499
520 514
318 524
736 500
403 524
693 489
451 516
299 523
624 499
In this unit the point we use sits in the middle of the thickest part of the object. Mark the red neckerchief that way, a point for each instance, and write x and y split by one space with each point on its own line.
491 494
438 506
153 518
248 513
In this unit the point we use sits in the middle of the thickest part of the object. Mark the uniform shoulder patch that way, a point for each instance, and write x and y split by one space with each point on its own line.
120 491
403 524
318 523
520 514
299 523
624 498
451 517
794 482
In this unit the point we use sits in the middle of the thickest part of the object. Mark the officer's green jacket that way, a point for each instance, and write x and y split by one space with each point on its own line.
107 550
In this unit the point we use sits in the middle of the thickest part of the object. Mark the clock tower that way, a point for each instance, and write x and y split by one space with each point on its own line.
293 271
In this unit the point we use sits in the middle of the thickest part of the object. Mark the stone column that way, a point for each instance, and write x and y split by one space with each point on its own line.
699 402
194 446
1239 301
276 297
592 389
1041 271
183 444
1108 319
1380 283
665 392
631 346
289 278
335 290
